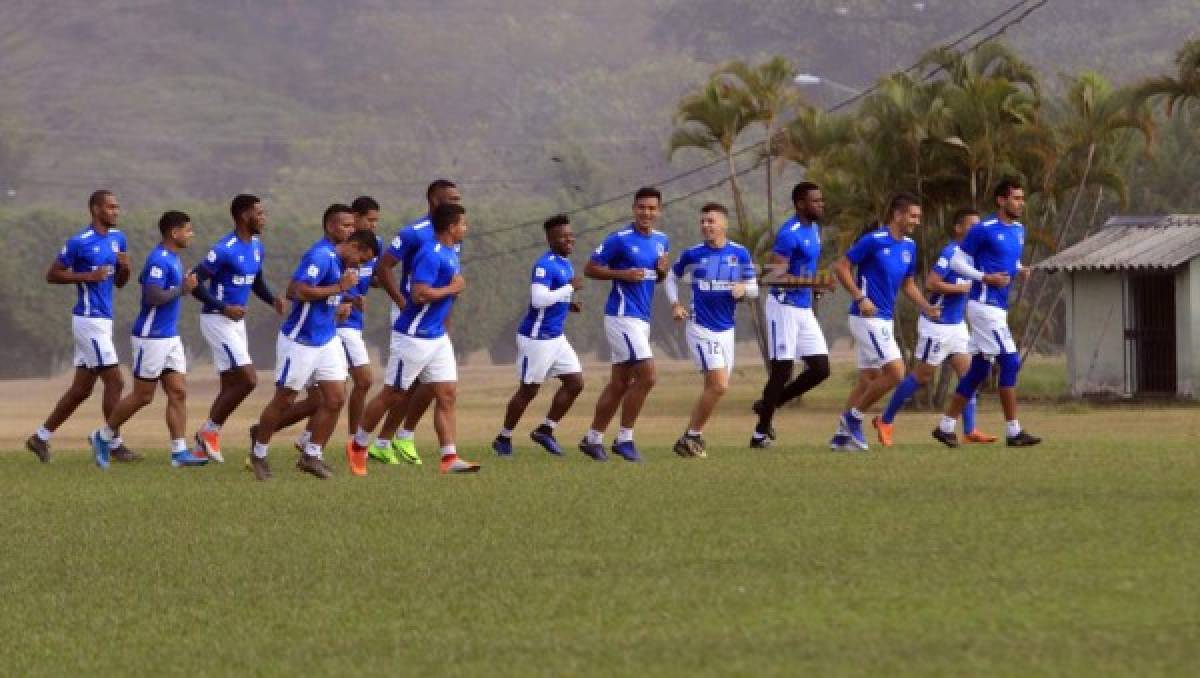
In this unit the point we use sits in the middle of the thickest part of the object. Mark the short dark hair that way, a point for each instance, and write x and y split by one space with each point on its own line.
241 203
363 204
801 190
437 185
556 221
333 210
446 216
1006 187
714 207
97 197
902 201
648 192
172 219
961 215
366 240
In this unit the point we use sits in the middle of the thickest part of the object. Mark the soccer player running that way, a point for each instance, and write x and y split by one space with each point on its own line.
94 260
722 274
395 444
230 271
886 260
307 350
158 355
634 259
420 347
542 349
938 340
793 331
990 256
350 329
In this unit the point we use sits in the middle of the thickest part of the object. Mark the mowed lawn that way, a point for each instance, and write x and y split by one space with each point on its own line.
1081 556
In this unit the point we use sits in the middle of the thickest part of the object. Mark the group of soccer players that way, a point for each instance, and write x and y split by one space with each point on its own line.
320 344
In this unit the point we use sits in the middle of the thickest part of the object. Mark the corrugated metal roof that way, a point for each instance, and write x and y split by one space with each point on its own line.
1132 243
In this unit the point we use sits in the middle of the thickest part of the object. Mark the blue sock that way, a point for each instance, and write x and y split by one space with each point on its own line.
968 416
974 378
903 392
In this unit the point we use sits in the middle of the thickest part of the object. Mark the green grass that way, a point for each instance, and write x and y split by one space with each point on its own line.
1077 557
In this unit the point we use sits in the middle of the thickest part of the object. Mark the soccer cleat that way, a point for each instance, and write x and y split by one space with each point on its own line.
406 449
259 467
545 437
187 458
947 439
209 442
40 448
502 446
315 466
977 437
840 442
690 446
760 442
124 454
100 451
757 407
356 458
884 430
593 450
853 428
626 450
383 453
1022 439
455 464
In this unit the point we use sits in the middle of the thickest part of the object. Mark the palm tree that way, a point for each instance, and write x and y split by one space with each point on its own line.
1181 89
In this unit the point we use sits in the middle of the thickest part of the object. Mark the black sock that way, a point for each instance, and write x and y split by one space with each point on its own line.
816 370
781 371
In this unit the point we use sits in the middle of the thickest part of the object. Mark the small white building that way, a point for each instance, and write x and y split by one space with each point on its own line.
1133 307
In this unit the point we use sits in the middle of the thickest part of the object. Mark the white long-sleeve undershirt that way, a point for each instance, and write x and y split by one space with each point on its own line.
541 296
961 264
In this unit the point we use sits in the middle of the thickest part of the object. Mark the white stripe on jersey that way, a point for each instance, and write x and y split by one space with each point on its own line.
412 328
83 293
537 324
149 321
621 303
300 321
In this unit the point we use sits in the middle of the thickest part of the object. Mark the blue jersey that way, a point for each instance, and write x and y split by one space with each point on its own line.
714 271
952 305
996 248
554 272
88 251
313 323
435 265
883 264
232 265
365 272
630 249
163 269
802 246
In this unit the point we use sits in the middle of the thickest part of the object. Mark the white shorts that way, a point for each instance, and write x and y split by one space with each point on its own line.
875 341
93 342
989 330
542 359
354 346
152 357
628 339
794 332
710 350
393 314
430 360
936 342
227 339
298 366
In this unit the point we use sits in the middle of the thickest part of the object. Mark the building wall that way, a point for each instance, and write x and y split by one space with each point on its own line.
1187 328
1095 340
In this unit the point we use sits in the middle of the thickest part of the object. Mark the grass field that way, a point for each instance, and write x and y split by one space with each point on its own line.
1078 557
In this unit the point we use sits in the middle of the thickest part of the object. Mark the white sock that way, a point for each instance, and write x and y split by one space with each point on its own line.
210 427
595 437
361 437
107 435
305 436
854 412
260 450
405 434
506 433
179 445
758 436
449 451
947 424
550 424
44 434
625 435
312 450
694 433
1013 428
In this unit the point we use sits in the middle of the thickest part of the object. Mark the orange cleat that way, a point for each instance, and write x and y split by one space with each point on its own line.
208 444
356 458
977 437
884 431
454 464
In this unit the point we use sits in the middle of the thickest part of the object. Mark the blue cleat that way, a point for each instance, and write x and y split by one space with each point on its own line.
840 442
502 446
546 440
854 428
593 450
187 458
626 451
100 450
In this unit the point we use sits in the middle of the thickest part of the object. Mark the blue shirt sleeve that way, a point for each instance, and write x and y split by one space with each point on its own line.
862 249
912 263
425 267
785 243
681 265
312 268
158 272
212 261
67 256
942 265
748 272
608 252
541 274
398 245
974 238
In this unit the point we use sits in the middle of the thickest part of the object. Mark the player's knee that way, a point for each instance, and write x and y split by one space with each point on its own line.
143 397
176 394
976 374
717 387
1010 365
364 381
446 397
573 386
333 401
818 366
